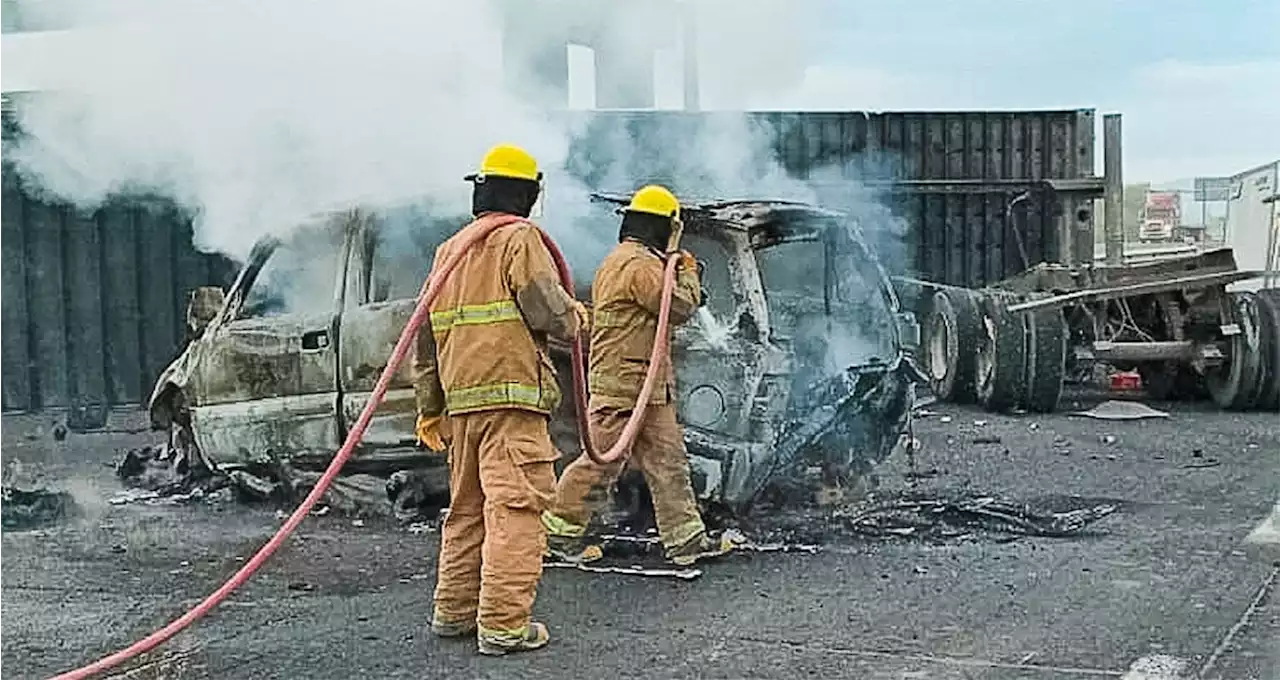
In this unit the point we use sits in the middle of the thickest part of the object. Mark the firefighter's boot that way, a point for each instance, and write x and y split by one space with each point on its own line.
576 549
501 643
701 547
567 541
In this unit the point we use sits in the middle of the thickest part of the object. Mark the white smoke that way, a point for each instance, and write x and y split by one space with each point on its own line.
257 115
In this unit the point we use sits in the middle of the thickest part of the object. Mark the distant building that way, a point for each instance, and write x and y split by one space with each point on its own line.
624 39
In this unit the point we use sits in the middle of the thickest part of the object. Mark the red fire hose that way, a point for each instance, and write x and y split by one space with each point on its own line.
622 447
420 313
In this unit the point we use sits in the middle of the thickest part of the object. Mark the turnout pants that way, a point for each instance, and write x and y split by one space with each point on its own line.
660 456
501 478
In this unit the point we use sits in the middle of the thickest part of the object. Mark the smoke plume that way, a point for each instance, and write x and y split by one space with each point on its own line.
257 115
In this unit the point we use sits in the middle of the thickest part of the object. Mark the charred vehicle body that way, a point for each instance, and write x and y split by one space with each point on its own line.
793 376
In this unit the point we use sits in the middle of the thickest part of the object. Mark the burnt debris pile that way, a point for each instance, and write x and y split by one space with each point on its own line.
155 474
26 505
156 469
942 518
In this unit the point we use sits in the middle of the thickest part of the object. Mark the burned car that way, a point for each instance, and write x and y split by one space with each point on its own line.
793 375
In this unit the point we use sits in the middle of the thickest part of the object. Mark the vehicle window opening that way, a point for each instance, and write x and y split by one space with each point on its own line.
297 278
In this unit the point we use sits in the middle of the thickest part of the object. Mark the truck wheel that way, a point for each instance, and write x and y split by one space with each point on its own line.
953 329
1269 336
1233 384
1002 355
1047 340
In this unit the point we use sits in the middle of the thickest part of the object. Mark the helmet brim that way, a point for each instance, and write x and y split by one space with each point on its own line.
480 176
628 209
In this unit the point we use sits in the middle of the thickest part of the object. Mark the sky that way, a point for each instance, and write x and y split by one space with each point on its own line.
1198 81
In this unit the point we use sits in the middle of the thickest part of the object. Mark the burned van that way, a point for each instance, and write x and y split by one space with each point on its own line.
793 377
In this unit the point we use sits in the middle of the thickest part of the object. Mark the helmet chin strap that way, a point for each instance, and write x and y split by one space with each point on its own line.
536 211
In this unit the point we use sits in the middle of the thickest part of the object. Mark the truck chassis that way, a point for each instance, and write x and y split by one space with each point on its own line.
1013 345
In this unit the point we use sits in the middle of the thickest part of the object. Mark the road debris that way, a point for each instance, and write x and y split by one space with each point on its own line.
987 439
948 518
634 570
740 542
35 509
149 497
26 505
132 496
1201 464
1121 410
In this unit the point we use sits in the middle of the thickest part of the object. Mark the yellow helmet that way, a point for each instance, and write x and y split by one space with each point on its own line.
655 200
508 160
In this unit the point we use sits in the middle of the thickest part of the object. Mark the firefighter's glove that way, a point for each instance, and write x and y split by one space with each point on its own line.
428 431
584 316
688 262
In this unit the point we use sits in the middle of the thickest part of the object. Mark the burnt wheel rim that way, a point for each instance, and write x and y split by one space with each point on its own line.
939 350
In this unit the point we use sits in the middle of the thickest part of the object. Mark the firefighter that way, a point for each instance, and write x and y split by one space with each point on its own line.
626 295
482 363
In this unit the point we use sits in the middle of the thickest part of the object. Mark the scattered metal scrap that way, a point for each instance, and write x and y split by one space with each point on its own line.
1121 410
740 541
624 546
687 574
950 518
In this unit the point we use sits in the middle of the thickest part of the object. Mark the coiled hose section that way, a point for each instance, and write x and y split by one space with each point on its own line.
420 313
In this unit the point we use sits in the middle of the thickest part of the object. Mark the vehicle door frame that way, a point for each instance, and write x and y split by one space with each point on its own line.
360 286
236 299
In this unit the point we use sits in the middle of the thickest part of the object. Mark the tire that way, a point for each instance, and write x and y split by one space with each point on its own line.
1269 341
1046 360
1234 385
1002 356
954 327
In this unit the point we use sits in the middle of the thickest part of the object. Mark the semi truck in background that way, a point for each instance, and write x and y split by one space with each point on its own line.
1161 215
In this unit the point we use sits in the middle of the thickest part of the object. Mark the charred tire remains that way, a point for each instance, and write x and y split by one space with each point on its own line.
954 328
1046 359
1002 355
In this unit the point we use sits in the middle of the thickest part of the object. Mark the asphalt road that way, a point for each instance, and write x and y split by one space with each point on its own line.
1166 585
